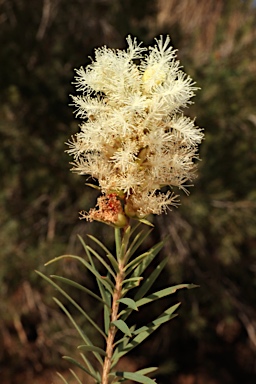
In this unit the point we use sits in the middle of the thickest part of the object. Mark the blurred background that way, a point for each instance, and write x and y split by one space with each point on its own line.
213 233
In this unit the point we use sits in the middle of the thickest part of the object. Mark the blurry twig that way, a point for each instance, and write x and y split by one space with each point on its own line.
44 20
246 314
48 13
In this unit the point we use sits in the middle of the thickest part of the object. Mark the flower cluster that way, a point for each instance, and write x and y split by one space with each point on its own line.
134 138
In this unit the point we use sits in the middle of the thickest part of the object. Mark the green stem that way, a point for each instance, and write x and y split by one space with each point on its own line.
118 242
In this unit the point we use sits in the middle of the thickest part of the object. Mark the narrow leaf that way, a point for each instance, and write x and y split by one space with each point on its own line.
131 283
63 257
87 265
92 348
107 315
151 255
116 356
125 339
105 294
120 324
142 333
164 292
125 242
146 371
107 280
144 221
113 262
163 318
108 253
89 365
146 285
79 286
100 283
80 332
62 378
86 251
118 242
74 303
129 302
75 362
150 280
135 262
103 262
135 377
75 376
131 279
137 241
134 227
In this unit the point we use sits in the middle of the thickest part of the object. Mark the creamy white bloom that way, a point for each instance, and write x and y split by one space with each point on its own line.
134 138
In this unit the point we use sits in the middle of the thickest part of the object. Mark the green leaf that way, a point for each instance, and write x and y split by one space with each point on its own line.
163 318
118 242
146 285
107 314
134 227
106 279
116 356
86 250
108 253
80 332
142 333
103 262
79 286
107 310
144 221
63 257
91 268
75 376
119 347
135 377
146 371
92 348
125 243
125 340
101 284
151 255
129 302
120 324
106 265
105 294
137 241
74 303
89 365
62 378
131 283
132 279
164 292
135 262
75 362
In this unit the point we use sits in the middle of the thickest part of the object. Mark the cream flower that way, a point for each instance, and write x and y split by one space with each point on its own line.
134 138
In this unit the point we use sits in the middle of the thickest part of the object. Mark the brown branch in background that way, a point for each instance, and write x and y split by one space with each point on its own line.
44 20
48 14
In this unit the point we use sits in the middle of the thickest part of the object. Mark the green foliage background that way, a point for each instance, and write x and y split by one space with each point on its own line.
213 232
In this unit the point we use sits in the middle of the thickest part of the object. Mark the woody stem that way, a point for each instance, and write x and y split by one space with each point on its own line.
112 329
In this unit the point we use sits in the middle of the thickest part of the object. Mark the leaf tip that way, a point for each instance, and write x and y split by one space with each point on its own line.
192 286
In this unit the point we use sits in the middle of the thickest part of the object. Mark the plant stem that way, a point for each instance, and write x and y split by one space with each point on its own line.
112 329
